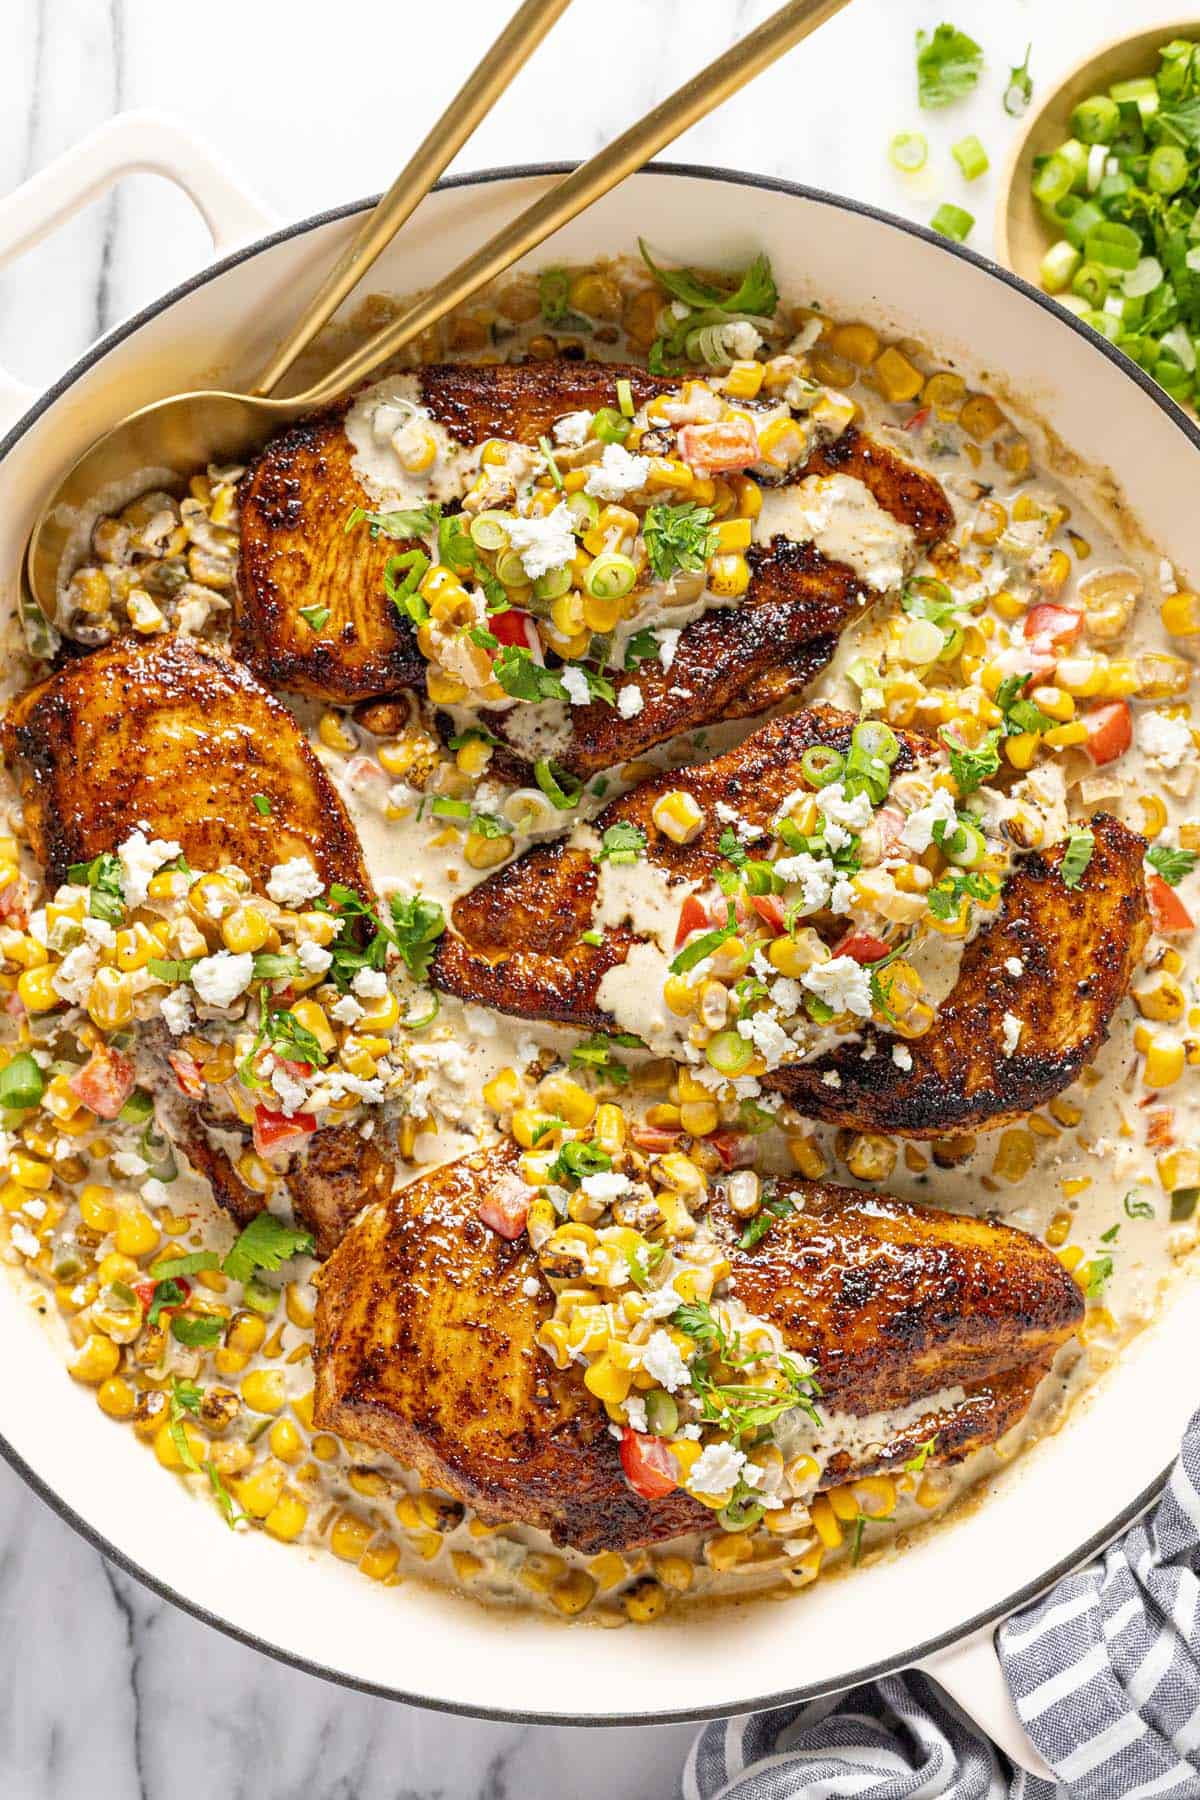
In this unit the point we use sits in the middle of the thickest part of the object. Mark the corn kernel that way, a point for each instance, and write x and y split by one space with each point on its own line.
97 1358
678 816
1164 1063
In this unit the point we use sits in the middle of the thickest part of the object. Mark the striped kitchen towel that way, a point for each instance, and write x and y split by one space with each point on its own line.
1105 1674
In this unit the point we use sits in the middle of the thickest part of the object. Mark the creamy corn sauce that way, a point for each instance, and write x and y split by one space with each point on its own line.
1107 1174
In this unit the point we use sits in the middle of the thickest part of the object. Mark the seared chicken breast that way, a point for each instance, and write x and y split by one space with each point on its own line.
518 945
425 1345
296 556
175 737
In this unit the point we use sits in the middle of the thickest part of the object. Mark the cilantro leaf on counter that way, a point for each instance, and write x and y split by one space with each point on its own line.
948 65
265 1243
1080 846
1171 864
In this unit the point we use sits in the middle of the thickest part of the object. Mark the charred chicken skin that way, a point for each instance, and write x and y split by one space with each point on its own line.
174 737
518 945
730 663
426 1345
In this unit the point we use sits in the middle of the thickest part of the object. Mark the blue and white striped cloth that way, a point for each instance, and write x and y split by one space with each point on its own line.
1105 1674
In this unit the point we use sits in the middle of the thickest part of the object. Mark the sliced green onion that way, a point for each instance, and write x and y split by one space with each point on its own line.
417 1021
1076 224
965 846
1075 155
729 1053
821 765
610 576
952 222
877 740
1138 88
1116 246
1059 265
1053 180
1096 120
260 1297
625 397
1181 347
610 427
547 451
740 1515
1101 322
445 808
490 530
553 584
21 1081
662 1413
907 151
139 1106
1091 283
970 156
1143 278
510 570
1167 170
561 790
584 509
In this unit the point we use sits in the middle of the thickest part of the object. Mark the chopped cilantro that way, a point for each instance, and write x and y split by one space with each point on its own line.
575 1160
774 1206
416 925
1171 864
642 646
732 848
1020 715
265 1243
678 537
290 1039
1078 854
315 617
261 804
221 1494
704 945
916 1463
416 521
596 1053
948 65
103 879
1110 1236
196 1329
166 1293
1099 1270
621 843
971 768
956 885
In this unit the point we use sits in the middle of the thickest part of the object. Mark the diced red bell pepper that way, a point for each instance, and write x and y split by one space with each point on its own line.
1050 627
655 1138
299 1071
1167 910
693 916
736 1149
506 1208
918 419
187 1073
276 1133
718 447
769 908
145 1292
863 946
515 627
650 1469
1032 659
1109 731
105 1082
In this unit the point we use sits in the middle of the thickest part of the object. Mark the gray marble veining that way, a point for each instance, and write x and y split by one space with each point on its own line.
105 1690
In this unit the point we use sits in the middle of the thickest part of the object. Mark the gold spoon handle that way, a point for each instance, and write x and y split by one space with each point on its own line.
585 184
474 100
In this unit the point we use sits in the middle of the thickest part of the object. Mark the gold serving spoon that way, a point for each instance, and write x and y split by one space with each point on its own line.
181 434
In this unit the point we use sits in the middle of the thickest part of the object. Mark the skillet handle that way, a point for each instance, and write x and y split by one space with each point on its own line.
132 143
971 1674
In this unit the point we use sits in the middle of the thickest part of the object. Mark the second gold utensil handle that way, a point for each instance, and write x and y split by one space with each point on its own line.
474 100
586 184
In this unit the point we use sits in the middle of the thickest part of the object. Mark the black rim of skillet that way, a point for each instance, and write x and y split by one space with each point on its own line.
778 1697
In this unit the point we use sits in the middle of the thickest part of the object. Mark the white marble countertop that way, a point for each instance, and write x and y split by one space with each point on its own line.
104 1689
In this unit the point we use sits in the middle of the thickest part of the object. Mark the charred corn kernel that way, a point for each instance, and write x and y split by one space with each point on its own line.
825 1522
1052 575
245 928
645 1601
728 576
1014 1155
116 1398
35 988
895 377
1065 737
566 1100
807 1156
135 1233
678 816
28 1172
443 689
503 1091
1180 614
110 999
980 417
870 1157
246 1333
1021 748
96 1359
726 1551
379 1562
263 1391
573 1593
480 852
1164 1064
58 1100
609 1129
350 1536
679 1171
1160 997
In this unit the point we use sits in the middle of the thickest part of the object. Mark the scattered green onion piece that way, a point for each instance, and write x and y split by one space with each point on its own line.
965 846
625 397
445 808
489 530
876 739
417 1021
1059 265
971 157
908 151
260 1297
584 509
547 450
553 583
729 1053
1096 120
1103 323
952 222
1081 219
740 1515
662 1413
610 427
22 1083
1075 155
821 765
610 576
510 570
139 1106
561 790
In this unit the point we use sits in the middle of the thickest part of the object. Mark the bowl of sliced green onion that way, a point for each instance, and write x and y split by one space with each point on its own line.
1101 206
